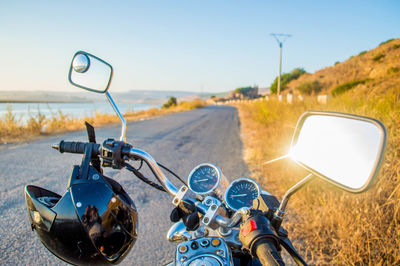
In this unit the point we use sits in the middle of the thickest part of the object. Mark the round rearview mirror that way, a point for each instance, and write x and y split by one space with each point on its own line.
90 72
81 63
343 149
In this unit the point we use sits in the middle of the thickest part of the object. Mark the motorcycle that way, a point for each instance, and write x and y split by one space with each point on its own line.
216 222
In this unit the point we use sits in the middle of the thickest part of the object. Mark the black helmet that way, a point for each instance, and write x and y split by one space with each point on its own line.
94 222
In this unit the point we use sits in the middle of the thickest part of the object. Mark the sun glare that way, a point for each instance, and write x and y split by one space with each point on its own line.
344 150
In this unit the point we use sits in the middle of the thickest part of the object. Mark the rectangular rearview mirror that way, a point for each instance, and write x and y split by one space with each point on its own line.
343 149
90 72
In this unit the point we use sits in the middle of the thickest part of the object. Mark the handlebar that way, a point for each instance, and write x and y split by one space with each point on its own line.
222 220
169 187
75 147
132 153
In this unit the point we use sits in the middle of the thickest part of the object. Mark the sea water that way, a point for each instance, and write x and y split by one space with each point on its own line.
24 111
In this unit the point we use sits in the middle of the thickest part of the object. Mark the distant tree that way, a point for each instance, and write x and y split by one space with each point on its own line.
286 78
170 103
212 96
244 90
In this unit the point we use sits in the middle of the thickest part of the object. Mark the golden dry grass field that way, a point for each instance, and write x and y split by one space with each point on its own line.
331 226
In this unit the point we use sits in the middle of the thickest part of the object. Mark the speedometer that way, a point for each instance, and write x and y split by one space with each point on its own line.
206 178
241 193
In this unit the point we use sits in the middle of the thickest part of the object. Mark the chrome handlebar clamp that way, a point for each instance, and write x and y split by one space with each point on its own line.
215 211
184 193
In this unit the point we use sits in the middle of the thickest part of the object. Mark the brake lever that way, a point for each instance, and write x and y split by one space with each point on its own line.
95 160
287 244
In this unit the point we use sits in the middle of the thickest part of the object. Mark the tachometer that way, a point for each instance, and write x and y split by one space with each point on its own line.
241 193
206 178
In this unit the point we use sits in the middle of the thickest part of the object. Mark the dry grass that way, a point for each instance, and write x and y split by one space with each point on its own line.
330 226
12 129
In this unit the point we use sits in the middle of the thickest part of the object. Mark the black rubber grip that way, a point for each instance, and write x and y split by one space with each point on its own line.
76 147
268 254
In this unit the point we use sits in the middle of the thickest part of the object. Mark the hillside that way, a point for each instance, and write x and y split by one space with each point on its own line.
372 72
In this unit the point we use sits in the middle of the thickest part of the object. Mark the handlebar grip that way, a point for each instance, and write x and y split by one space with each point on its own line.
72 146
268 254
75 147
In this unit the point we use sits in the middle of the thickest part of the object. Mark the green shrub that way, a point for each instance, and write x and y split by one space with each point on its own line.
347 86
378 57
170 103
361 53
386 41
393 70
397 45
286 78
310 87
337 62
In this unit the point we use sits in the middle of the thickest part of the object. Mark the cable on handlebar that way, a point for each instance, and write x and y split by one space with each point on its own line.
140 166
142 177
172 173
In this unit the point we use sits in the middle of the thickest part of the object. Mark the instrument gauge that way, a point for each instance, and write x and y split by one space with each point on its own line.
241 193
206 178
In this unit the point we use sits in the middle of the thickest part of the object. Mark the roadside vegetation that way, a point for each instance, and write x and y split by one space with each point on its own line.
286 78
330 226
172 102
342 88
12 129
309 87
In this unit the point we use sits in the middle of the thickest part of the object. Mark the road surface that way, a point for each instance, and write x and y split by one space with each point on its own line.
180 141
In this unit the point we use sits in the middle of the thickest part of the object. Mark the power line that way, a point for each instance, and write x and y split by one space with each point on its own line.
280 38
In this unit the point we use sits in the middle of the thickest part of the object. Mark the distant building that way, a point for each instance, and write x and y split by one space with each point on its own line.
264 91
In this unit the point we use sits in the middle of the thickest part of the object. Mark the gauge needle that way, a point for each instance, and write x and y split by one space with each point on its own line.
201 180
239 195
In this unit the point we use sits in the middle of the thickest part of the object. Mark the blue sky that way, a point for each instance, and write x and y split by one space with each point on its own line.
184 44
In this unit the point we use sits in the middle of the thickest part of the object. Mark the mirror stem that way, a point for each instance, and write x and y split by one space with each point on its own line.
280 212
123 130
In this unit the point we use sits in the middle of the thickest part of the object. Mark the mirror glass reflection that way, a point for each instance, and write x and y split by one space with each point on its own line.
81 63
343 150
90 73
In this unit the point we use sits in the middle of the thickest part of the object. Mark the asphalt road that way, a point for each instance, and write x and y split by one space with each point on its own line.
180 141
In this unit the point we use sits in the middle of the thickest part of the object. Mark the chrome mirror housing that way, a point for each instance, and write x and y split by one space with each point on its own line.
93 74
90 72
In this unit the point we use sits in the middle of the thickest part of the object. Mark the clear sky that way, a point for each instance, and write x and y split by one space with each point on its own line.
187 45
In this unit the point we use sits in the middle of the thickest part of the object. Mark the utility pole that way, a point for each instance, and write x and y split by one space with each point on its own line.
280 38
